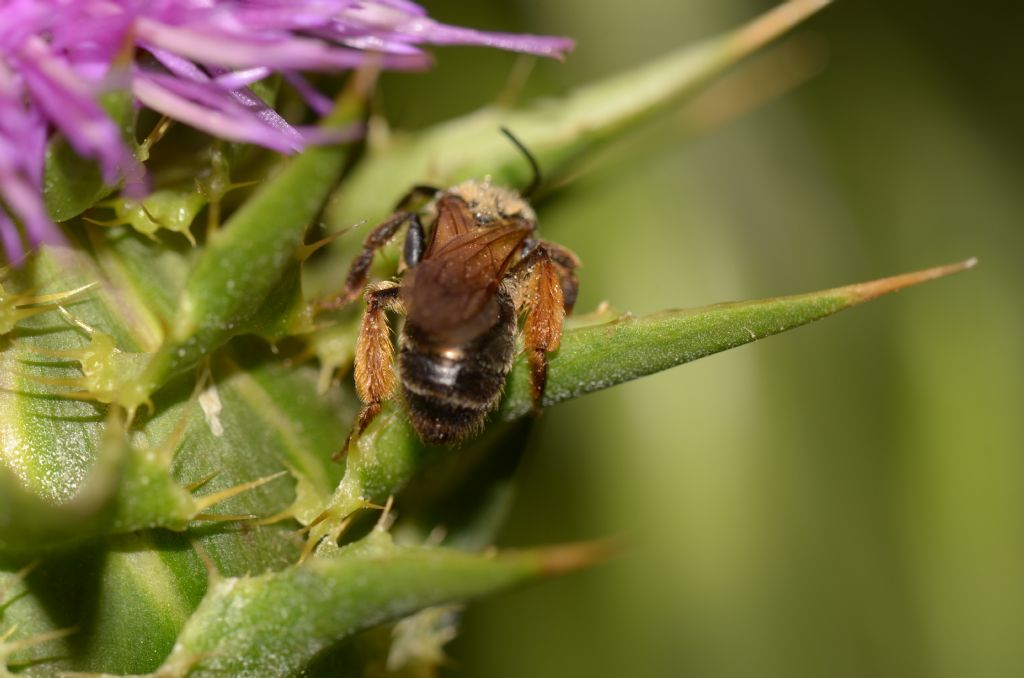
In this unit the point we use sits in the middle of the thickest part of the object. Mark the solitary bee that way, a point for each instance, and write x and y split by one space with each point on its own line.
467 279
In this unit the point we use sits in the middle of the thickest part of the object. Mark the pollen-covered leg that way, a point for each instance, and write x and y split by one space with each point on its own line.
543 293
374 363
566 262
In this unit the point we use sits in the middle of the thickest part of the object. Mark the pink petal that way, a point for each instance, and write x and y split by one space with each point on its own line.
244 78
204 91
317 101
155 93
60 94
234 51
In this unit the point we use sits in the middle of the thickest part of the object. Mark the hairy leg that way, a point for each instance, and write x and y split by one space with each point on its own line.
374 362
547 291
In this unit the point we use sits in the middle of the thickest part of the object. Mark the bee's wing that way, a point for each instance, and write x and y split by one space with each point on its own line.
451 288
454 218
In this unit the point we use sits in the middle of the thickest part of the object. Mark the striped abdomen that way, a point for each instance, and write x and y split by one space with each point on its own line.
450 389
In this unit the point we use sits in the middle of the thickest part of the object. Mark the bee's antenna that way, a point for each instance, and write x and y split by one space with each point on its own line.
535 183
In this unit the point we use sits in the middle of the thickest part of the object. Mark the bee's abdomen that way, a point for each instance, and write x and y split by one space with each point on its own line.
450 389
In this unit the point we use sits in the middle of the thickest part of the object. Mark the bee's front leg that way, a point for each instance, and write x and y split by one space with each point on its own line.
380 236
355 281
374 361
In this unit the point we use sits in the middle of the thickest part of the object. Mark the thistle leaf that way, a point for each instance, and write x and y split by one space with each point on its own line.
276 623
124 491
596 357
559 133
65 479
270 419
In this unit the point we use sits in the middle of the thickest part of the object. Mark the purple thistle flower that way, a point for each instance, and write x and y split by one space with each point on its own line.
58 56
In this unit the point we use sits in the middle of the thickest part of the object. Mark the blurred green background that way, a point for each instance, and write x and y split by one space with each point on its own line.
845 500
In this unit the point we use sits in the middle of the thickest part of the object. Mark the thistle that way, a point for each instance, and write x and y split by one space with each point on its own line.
170 405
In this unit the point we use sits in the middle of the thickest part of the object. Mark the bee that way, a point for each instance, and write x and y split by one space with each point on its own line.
469 277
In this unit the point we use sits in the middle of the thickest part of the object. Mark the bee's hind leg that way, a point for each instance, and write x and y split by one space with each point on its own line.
548 291
566 262
374 361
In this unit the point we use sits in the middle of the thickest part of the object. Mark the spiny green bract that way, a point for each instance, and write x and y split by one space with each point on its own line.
168 413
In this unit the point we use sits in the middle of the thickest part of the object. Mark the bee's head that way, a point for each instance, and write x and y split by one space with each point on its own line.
491 203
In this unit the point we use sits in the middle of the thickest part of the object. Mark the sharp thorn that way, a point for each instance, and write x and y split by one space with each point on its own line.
103 222
225 517
56 297
19 577
211 568
48 381
307 550
386 516
335 534
206 501
196 484
313 523
286 514
38 639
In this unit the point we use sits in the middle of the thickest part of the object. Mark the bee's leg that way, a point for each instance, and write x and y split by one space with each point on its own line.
355 281
374 360
416 193
544 299
415 240
566 262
